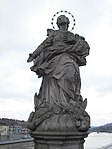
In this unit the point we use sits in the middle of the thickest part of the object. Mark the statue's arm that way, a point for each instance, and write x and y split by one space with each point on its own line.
34 54
46 43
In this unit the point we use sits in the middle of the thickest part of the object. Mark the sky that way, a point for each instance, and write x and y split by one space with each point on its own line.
23 25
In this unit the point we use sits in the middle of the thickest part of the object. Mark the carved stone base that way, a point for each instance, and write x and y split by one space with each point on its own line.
59 140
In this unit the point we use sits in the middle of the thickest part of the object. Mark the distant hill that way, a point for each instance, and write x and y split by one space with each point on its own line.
7 122
103 128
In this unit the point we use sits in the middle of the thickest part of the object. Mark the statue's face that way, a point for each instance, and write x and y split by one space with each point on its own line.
63 22
63 26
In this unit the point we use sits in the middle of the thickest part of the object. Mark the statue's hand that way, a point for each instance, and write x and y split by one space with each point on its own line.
65 39
69 40
30 58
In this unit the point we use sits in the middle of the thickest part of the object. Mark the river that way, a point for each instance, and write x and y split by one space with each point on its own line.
97 140
93 141
23 145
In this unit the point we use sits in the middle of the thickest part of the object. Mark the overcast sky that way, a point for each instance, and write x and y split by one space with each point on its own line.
23 25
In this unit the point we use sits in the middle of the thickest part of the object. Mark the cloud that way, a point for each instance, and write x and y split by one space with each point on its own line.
15 109
17 81
97 73
23 27
98 107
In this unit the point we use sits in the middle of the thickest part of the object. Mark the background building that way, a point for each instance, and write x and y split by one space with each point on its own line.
11 129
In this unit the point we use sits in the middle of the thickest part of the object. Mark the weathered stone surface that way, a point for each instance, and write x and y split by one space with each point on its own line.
57 140
59 106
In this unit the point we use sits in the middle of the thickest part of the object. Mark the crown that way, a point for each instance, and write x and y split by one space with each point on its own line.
66 12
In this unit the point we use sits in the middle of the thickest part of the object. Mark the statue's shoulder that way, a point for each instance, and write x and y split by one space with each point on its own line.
77 36
70 33
51 32
82 40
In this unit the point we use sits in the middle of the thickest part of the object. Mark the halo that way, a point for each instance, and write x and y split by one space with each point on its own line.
52 23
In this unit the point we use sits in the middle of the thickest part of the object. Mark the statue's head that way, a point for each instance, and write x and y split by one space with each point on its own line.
61 20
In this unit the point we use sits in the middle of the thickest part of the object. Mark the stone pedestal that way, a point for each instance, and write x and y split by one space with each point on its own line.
59 140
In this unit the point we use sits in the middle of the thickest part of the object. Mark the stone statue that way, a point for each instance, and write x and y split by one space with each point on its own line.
59 105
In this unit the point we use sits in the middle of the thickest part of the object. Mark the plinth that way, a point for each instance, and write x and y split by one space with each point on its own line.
59 128
59 140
